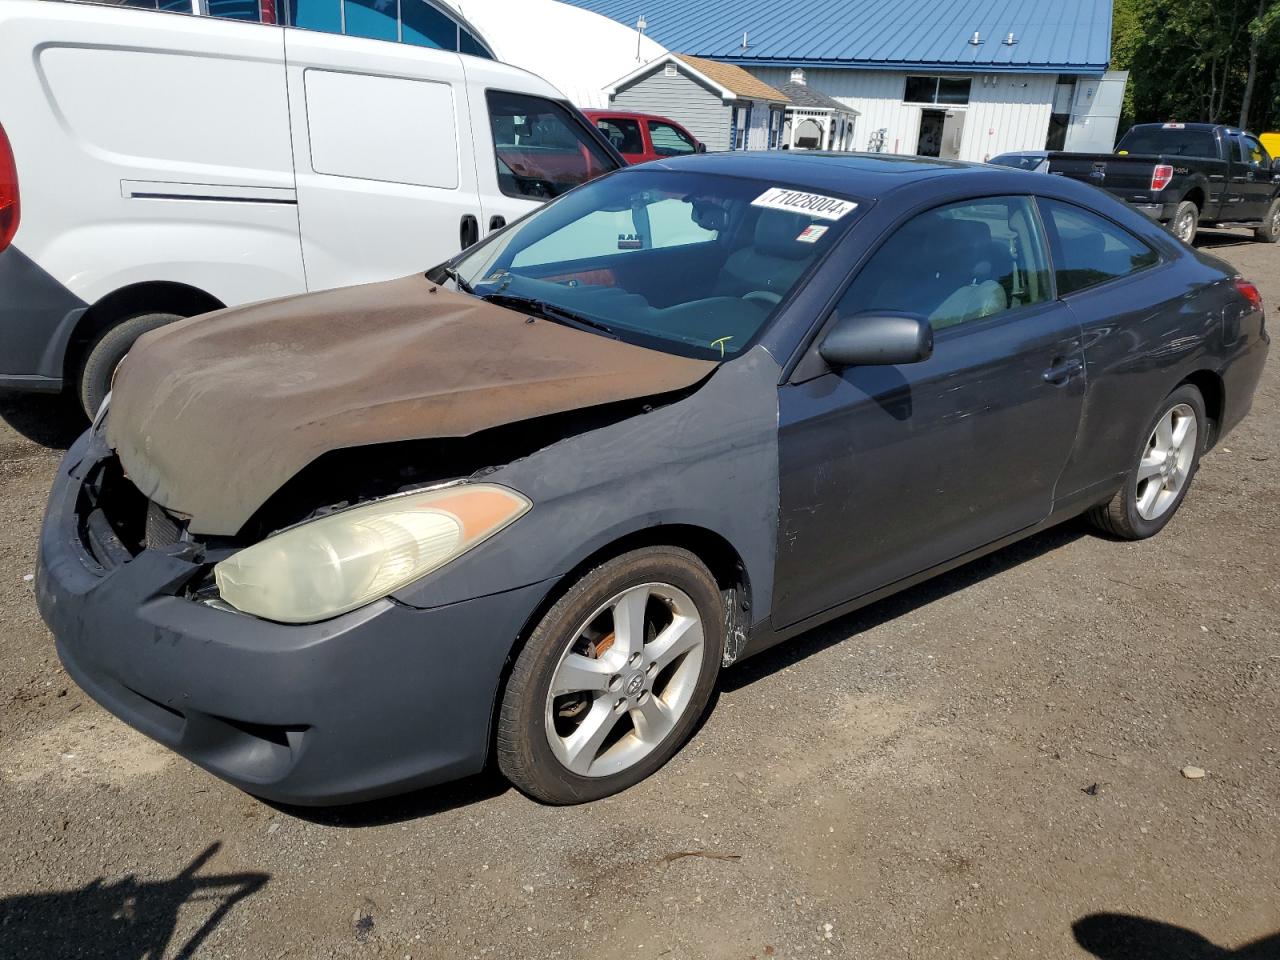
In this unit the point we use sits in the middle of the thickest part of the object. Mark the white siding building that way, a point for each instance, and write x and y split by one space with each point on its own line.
924 77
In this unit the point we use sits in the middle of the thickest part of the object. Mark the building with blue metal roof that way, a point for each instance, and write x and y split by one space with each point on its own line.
960 79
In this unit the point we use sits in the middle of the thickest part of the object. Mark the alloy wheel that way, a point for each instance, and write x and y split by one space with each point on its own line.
625 680
1166 463
1187 227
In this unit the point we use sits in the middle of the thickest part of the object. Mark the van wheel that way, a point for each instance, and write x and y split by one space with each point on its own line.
1269 232
615 677
1163 468
1185 222
107 351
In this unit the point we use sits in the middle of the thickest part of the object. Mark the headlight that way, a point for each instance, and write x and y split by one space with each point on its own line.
328 566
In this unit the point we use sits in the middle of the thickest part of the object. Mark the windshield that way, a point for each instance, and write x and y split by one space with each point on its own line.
1174 141
1023 161
686 262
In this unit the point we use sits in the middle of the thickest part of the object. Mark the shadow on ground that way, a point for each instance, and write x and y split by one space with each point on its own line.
50 419
124 920
1119 936
1206 240
900 604
410 806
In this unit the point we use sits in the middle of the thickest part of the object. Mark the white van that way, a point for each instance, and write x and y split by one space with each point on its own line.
157 165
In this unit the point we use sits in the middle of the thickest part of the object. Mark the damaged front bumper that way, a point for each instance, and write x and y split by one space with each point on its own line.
377 701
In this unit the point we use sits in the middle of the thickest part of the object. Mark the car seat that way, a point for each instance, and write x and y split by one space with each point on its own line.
769 267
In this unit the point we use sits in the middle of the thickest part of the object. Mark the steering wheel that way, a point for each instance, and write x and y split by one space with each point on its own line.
766 297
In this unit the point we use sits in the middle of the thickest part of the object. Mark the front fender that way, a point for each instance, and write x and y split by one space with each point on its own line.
709 460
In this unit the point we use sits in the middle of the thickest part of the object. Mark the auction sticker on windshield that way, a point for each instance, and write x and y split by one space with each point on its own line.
795 201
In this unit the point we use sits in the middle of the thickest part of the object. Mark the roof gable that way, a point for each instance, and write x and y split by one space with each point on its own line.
728 81
1050 35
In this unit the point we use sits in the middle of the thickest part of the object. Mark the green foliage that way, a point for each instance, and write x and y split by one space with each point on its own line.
1190 59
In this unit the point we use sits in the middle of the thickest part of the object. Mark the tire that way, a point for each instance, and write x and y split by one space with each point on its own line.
105 354
621 695
1269 232
1185 222
1124 516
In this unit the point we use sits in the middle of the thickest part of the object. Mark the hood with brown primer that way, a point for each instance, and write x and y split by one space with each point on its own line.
212 415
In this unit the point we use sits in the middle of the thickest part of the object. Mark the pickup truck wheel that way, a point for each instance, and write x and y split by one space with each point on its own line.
1269 232
105 354
1185 222
1163 469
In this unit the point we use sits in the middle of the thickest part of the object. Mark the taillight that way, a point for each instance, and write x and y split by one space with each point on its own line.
1249 292
8 192
267 11
1161 176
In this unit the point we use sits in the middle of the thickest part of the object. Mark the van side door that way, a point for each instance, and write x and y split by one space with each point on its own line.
383 154
529 147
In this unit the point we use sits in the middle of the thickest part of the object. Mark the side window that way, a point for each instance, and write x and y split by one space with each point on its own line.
1088 250
175 6
956 264
664 223
669 141
624 134
252 11
1237 152
539 148
375 19
425 26
1255 153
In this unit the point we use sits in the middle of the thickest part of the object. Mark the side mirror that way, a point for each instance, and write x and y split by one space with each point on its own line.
877 338
700 148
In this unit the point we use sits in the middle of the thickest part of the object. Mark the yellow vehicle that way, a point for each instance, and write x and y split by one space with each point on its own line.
1272 142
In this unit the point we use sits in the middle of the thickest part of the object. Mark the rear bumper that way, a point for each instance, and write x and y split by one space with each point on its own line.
378 701
37 316
1159 212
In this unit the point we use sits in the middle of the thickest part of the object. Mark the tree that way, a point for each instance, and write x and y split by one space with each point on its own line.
1260 28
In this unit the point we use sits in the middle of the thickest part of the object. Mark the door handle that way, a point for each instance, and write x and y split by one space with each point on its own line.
1063 370
497 222
468 230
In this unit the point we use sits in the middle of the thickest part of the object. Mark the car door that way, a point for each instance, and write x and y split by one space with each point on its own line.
528 148
382 153
1257 186
668 140
886 471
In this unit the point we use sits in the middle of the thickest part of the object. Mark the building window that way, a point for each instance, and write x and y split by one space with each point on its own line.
944 90
741 126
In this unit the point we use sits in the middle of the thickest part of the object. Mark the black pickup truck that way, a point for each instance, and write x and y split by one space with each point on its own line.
1187 175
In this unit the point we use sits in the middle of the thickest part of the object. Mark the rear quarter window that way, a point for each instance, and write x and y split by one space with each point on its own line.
1089 250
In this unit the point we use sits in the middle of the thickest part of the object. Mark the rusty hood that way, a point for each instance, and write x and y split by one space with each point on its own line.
210 416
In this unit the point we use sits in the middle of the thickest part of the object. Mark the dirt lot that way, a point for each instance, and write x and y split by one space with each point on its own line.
986 766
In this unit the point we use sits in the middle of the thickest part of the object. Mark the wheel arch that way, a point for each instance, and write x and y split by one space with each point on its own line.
1196 195
720 556
154 296
1214 392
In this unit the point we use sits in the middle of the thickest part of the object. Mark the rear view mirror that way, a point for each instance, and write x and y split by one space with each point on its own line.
877 338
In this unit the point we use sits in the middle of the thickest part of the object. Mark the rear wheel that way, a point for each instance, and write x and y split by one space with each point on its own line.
1269 232
1165 466
1185 222
106 352
614 678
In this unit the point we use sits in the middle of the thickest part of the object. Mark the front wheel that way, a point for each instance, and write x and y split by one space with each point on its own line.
1185 222
1165 465
614 678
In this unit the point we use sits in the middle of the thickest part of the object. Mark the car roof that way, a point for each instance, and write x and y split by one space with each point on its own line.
858 174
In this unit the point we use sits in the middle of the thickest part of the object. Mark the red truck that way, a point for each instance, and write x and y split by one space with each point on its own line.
644 136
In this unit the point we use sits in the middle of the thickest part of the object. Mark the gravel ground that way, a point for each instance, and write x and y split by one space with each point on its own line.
985 766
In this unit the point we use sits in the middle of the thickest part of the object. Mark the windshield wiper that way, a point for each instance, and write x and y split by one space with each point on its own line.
444 272
549 311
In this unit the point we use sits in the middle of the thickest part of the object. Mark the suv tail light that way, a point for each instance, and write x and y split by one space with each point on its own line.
8 192
1249 292
1161 176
